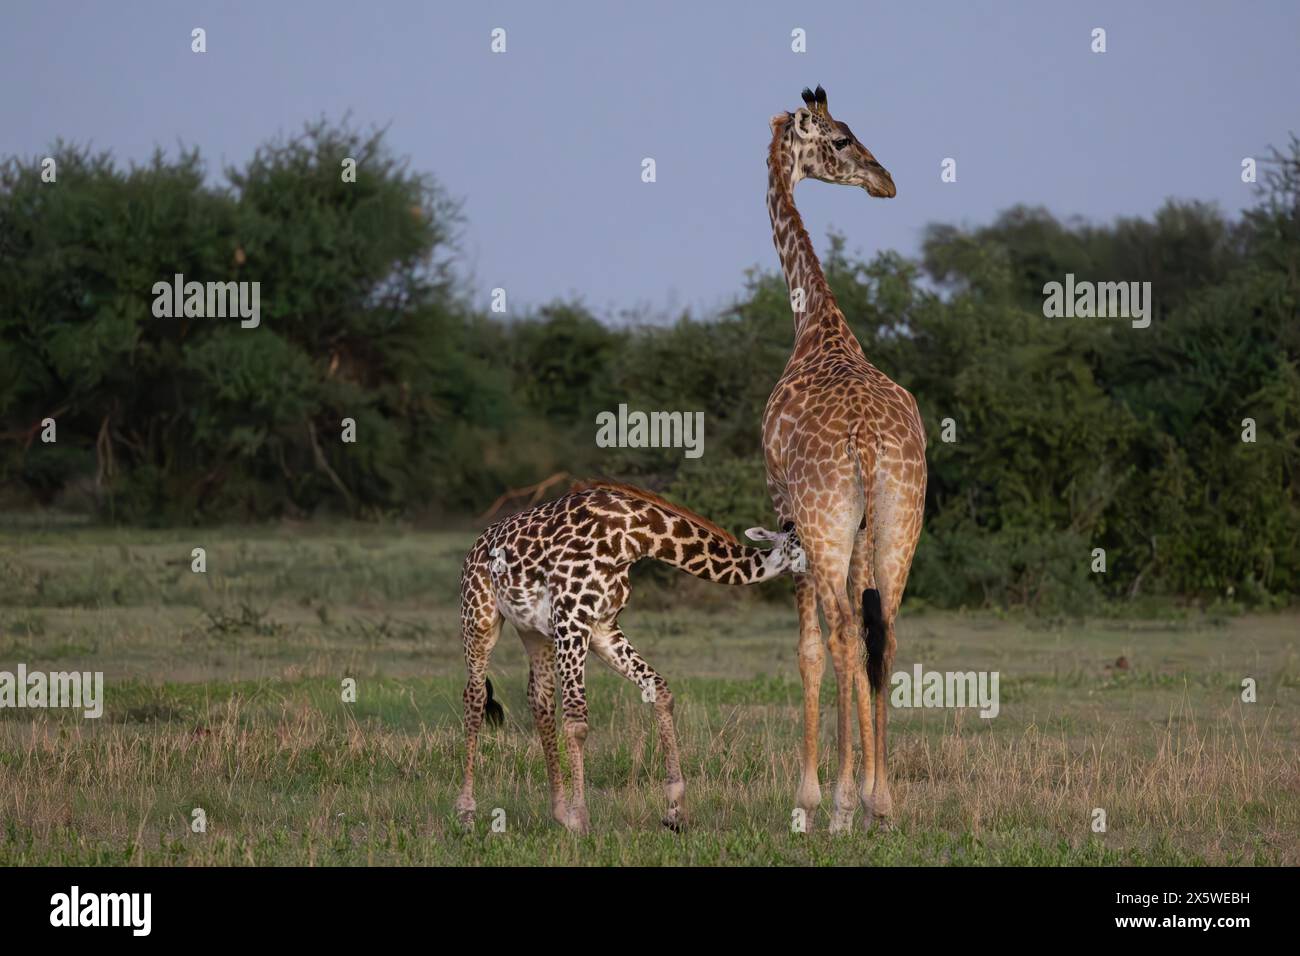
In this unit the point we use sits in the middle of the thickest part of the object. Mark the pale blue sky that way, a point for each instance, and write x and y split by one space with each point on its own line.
544 143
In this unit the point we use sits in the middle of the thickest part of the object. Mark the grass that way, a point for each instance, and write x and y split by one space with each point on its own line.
223 692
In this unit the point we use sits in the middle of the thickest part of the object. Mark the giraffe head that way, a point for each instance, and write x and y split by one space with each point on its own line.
826 149
786 554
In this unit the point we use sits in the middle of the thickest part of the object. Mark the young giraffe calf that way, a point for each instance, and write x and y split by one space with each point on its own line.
559 574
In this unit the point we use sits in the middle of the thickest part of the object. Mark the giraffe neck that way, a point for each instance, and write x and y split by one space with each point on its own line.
799 262
702 551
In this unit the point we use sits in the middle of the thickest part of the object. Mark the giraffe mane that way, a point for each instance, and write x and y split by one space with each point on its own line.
778 139
632 491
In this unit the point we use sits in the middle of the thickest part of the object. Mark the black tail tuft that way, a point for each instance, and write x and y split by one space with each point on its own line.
873 633
493 712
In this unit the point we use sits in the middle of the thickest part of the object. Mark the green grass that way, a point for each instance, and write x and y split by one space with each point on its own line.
223 692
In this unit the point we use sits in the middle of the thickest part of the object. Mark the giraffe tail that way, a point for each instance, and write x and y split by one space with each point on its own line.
493 712
873 633
873 617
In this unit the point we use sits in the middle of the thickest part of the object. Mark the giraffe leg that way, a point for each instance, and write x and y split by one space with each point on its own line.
829 558
541 699
899 501
572 638
812 665
880 804
480 632
613 648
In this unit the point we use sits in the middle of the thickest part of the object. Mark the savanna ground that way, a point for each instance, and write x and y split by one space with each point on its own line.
223 692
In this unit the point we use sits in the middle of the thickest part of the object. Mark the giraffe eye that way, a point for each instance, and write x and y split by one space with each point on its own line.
840 143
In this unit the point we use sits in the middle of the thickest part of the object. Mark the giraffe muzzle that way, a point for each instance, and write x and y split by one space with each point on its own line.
879 183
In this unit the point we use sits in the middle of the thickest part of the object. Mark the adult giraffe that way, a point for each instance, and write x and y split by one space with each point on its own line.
845 454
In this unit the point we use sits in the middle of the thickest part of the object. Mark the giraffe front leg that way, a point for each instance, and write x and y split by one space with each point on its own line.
615 650
571 641
541 700
675 817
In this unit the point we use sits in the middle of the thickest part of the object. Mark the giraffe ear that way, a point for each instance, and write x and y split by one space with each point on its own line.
803 123
779 120
761 534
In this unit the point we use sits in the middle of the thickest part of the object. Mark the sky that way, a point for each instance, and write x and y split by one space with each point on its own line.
544 143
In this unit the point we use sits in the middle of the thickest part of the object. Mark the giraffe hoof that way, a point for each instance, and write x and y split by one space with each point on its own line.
465 817
879 824
675 820
578 821
841 821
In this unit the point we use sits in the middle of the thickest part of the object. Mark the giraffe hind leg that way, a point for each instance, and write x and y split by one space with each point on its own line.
829 559
480 630
541 700
812 667
896 526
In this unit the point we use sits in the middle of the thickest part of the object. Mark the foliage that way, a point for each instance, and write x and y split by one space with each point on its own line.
1070 435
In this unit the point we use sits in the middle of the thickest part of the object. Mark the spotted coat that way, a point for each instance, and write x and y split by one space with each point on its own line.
559 573
844 448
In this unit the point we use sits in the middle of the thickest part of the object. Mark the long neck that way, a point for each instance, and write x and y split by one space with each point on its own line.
700 550
803 273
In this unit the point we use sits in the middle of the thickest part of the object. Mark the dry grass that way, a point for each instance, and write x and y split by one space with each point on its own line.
223 693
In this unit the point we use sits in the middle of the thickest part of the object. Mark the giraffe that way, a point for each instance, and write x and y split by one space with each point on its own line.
559 573
845 453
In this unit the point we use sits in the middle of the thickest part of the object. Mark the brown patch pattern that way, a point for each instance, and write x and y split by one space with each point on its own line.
844 448
559 573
